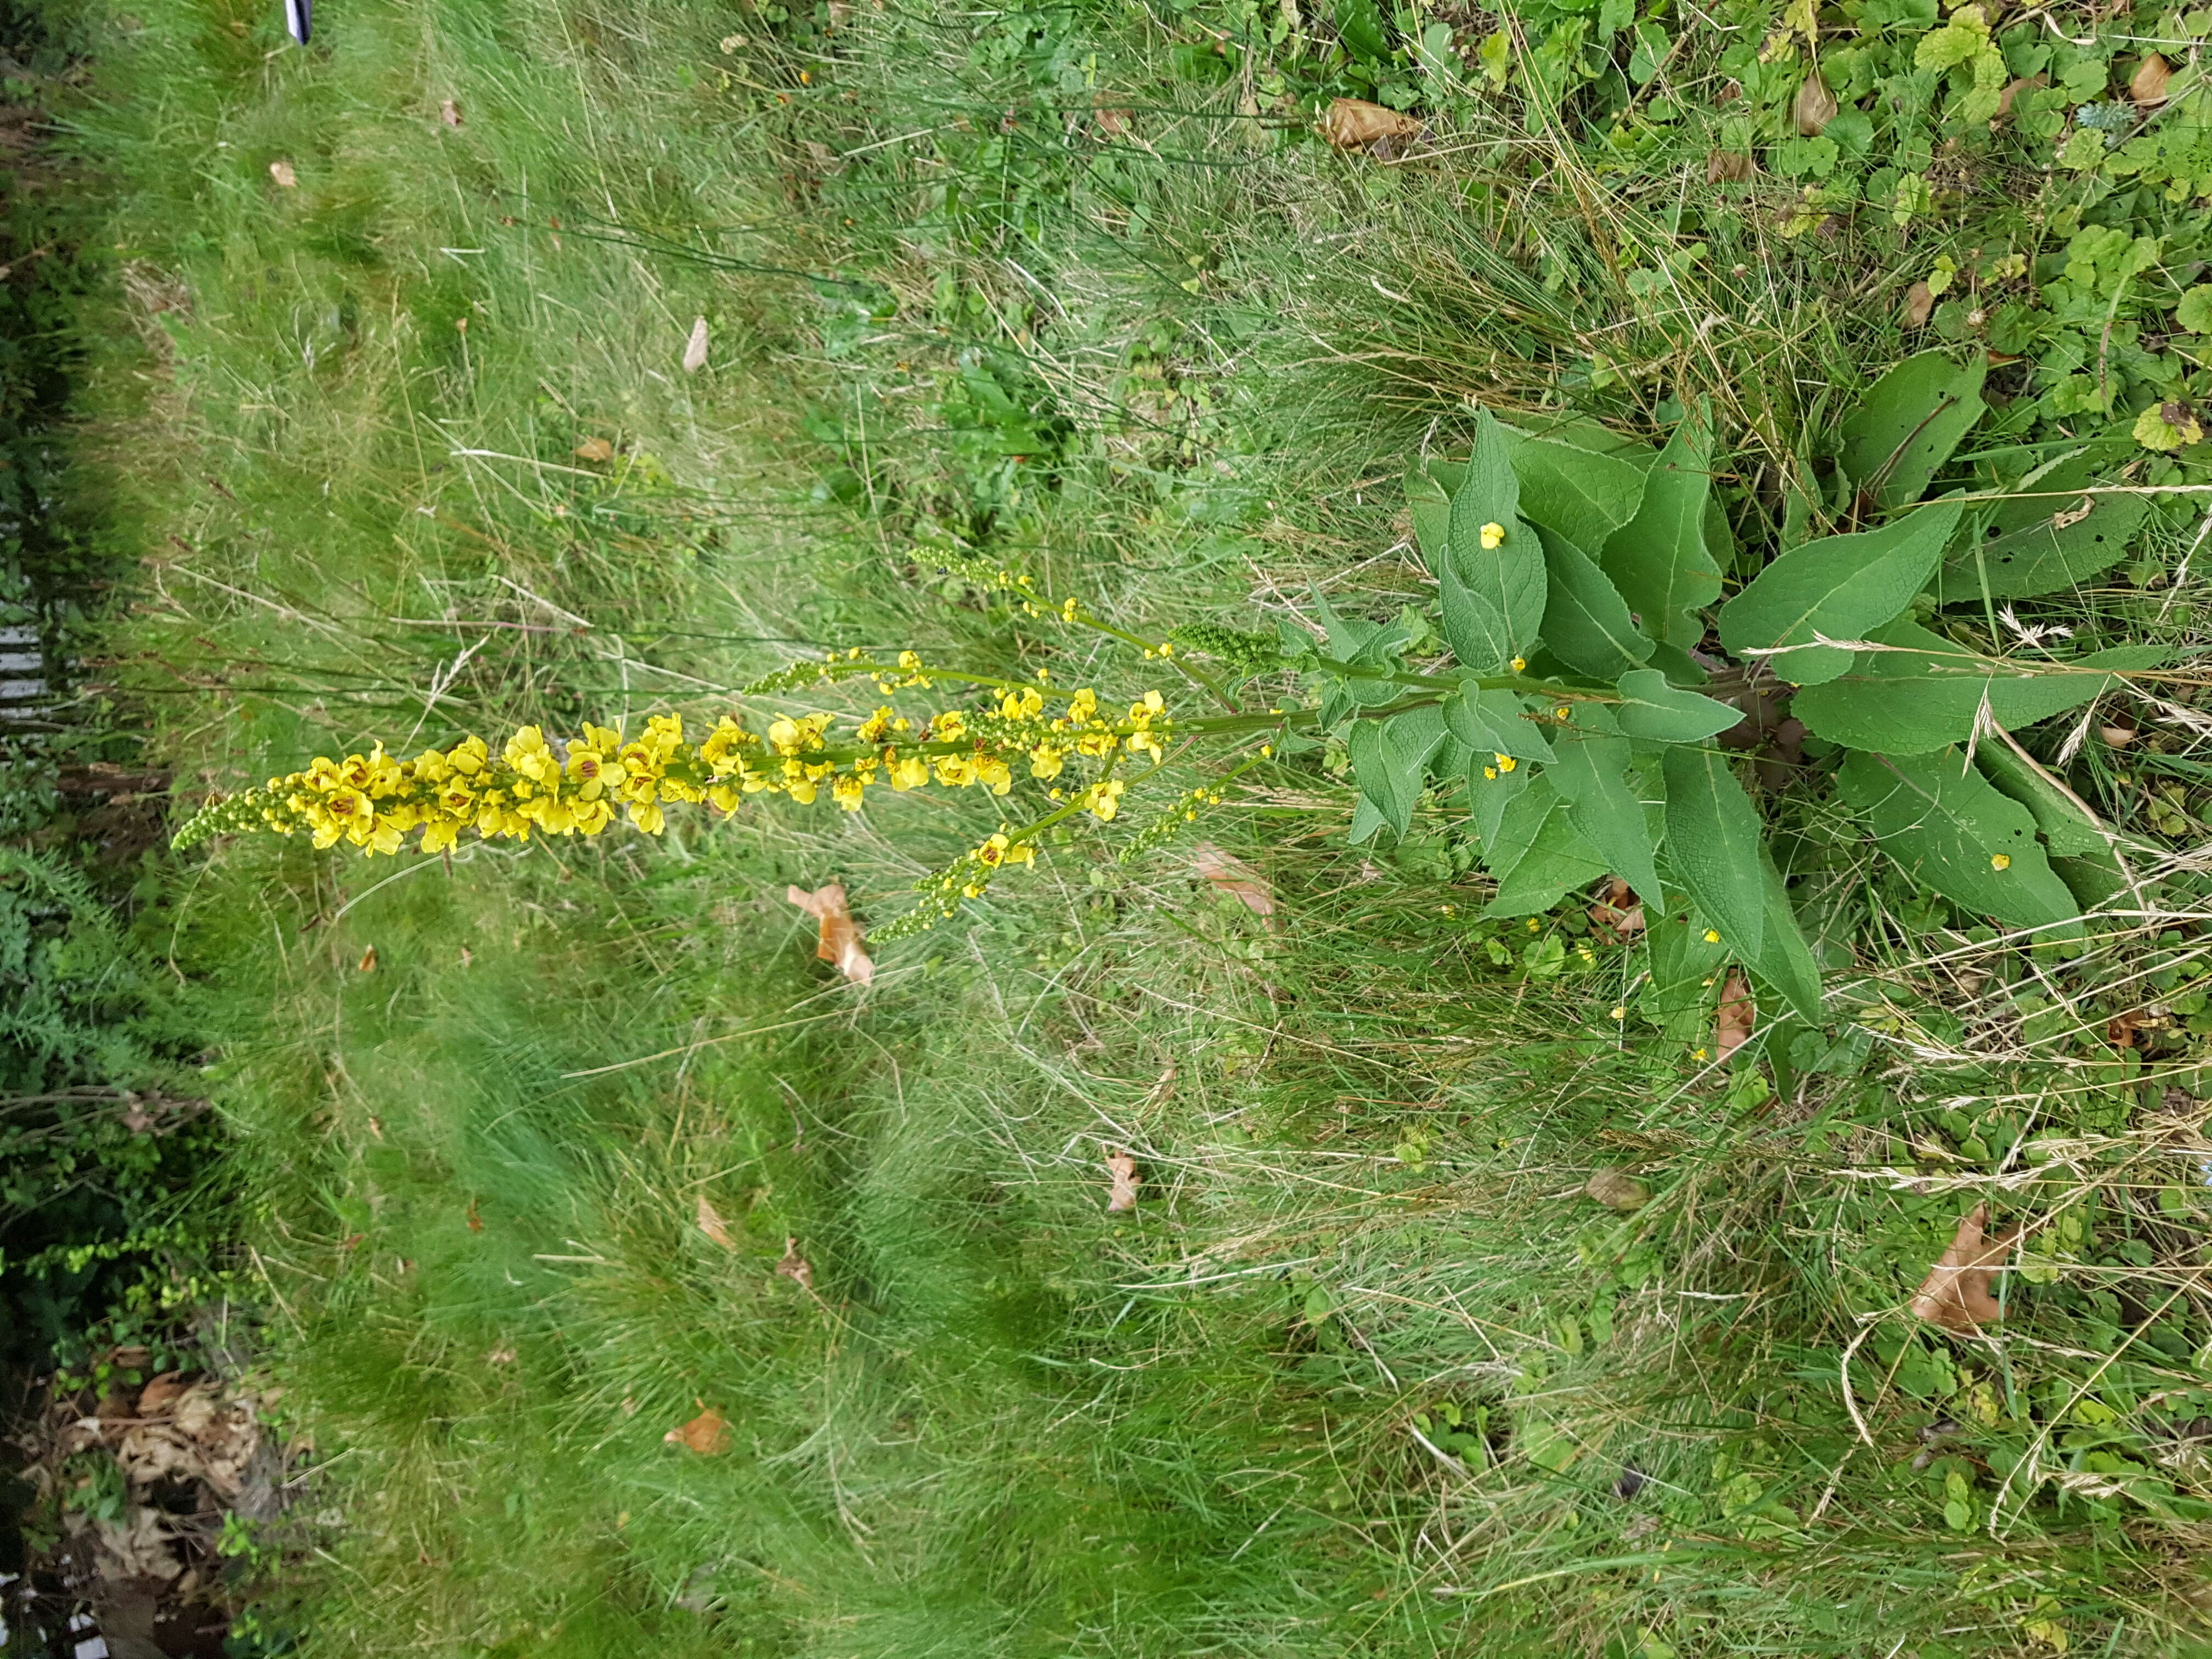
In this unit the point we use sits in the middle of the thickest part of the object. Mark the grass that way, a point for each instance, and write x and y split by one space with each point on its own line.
1364 1373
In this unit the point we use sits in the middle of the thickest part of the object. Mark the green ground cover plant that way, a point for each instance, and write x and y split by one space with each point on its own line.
1470 1301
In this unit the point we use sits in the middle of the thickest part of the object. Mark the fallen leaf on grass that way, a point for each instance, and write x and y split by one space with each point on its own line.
2116 736
1619 916
1815 106
1122 1169
695 349
712 1224
707 1434
2013 89
1616 1189
368 962
1230 874
282 173
1727 167
841 936
450 112
162 1394
500 1356
2148 85
1919 305
795 1267
1734 1024
1956 1292
594 449
2120 1029
1355 124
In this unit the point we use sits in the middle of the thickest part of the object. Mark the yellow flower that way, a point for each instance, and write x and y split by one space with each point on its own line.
909 772
1046 762
1711 937
647 815
1493 536
1520 663
440 835
1506 763
2000 861
1104 799
847 791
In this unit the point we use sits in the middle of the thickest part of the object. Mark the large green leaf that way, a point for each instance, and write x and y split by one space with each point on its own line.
1910 420
1686 970
1594 773
1713 835
1659 560
1924 695
1490 793
1491 723
1840 587
2025 551
1389 763
1537 855
1784 961
1579 479
2064 826
1492 597
1949 829
1429 487
1586 621
1651 709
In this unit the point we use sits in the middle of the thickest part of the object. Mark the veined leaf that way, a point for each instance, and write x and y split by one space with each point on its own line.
1686 969
1579 479
1491 723
2027 549
1651 709
1839 587
1948 828
1490 794
1429 488
1593 772
2064 827
1784 961
1492 597
1389 761
1586 621
1537 855
1659 560
1925 695
1713 834
1911 419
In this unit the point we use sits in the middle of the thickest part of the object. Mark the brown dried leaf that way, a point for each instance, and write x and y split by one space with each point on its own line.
2120 1029
2116 736
475 1221
695 349
712 1224
594 449
1737 1019
2148 85
841 936
2013 89
1919 305
450 112
1619 917
1815 105
160 1395
1616 1189
1113 121
1230 874
1956 1292
707 1434
368 962
1355 124
1121 1170
795 1267
1725 167
282 173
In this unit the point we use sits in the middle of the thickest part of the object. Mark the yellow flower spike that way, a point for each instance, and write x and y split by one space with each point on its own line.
1493 536
2000 861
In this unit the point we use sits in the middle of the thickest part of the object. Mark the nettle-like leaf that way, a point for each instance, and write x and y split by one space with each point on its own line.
1587 623
1713 836
1948 828
1659 560
1839 587
1686 969
1783 962
1389 763
1653 711
1537 855
1491 723
1492 597
1606 800
1579 479
1927 694
1910 420
2050 537
2065 826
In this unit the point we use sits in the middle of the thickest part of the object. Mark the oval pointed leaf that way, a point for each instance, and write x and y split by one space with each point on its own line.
1948 828
1493 723
2045 556
1537 855
1911 419
1579 479
1429 487
1593 774
1925 695
1656 712
1659 560
1492 597
1713 836
1840 587
1586 621
1785 962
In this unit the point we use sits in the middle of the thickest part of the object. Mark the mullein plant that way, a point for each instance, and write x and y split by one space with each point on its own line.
1081 753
